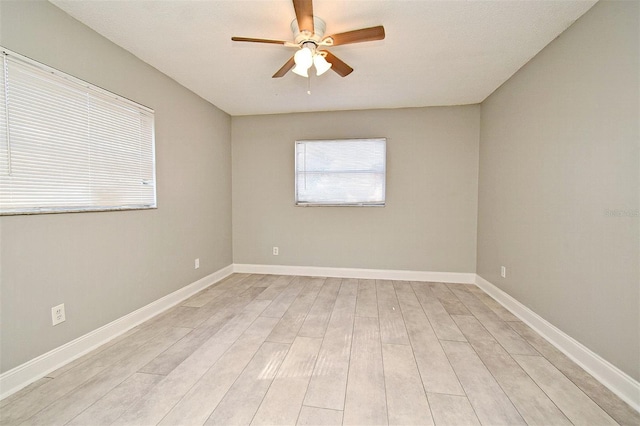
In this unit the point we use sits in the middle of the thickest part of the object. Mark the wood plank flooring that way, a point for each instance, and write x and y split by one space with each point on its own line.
282 350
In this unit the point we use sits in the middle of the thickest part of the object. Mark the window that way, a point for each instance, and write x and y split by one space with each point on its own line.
66 145
349 172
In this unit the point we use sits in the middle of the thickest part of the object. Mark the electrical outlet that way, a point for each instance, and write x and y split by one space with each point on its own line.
276 251
503 271
196 264
57 314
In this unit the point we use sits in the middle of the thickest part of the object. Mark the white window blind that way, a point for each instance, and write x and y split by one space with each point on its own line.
347 172
66 145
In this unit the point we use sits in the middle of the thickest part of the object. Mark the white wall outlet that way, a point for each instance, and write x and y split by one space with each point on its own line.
57 314
503 271
196 264
276 251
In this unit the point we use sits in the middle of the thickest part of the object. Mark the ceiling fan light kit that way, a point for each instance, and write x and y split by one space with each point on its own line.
321 64
308 34
307 56
303 59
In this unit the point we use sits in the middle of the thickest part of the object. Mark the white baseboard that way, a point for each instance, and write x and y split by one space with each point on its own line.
616 380
379 274
620 383
22 375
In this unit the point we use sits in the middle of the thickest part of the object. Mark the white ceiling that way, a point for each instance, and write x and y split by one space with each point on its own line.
434 53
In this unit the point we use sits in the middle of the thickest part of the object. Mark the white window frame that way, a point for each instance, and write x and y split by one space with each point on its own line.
120 171
300 174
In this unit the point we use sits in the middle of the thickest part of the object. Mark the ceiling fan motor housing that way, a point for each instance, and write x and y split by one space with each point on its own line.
301 37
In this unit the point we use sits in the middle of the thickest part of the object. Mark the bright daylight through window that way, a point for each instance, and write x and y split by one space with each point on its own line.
66 145
349 172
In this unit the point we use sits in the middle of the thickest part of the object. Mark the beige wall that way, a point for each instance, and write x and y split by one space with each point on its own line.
428 224
105 265
559 148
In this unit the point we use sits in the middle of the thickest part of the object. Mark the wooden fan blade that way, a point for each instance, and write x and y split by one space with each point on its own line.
358 36
338 65
285 68
304 14
258 40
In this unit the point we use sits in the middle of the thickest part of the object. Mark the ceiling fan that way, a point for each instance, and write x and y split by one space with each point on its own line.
308 32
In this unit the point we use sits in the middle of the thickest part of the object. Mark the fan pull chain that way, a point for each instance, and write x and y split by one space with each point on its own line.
309 85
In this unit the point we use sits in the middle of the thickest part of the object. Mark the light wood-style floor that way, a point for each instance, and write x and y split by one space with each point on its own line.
257 349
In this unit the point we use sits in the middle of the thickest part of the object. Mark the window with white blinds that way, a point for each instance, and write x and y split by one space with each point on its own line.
66 145
349 172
